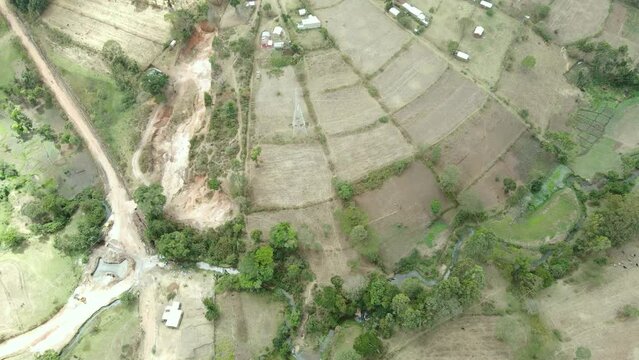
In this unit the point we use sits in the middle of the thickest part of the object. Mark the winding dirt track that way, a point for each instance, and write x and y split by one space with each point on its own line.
124 234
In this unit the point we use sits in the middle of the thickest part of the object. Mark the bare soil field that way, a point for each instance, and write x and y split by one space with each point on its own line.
623 127
524 161
345 109
275 99
328 70
446 20
356 155
320 4
477 144
141 34
327 252
290 175
586 314
399 211
543 91
487 53
247 325
577 19
468 337
194 338
446 104
409 75
370 38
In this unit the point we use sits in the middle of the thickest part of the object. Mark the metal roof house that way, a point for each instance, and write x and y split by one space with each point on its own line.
479 31
486 4
462 56
394 11
311 22
278 30
417 13
172 315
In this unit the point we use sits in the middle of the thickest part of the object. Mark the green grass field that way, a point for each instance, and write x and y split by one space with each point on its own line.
112 335
555 218
344 338
602 158
433 232
10 57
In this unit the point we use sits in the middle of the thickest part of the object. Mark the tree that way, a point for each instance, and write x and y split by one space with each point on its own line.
257 268
368 345
154 81
449 180
48 355
212 310
283 237
344 189
435 207
359 234
175 246
150 200
452 47
529 62
128 298
183 23
379 293
480 245
111 51
255 154
235 4
509 185
31 6
11 238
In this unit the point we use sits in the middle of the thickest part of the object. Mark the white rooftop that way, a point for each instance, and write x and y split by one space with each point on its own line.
311 22
479 31
278 30
302 12
394 11
250 3
172 315
462 55
486 4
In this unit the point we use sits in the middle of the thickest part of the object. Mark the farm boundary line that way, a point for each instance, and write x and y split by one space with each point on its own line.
396 55
307 205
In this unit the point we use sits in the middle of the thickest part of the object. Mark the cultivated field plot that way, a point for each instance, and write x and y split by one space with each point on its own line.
194 338
477 144
450 101
141 34
624 127
601 158
328 70
586 315
346 109
524 161
622 28
369 38
589 126
488 52
275 99
576 19
320 4
548 224
402 207
409 75
465 338
543 91
247 325
356 155
326 250
290 175
36 283
446 20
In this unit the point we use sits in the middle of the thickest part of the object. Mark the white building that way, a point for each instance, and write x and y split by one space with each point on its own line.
486 4
479 31
172 315
250 3
462 55
417 13
394 11
311 22
278 45
302 12
278 30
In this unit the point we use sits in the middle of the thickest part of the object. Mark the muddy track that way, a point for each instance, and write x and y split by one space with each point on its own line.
124 234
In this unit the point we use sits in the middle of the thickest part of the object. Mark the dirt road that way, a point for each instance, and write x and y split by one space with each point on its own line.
123 235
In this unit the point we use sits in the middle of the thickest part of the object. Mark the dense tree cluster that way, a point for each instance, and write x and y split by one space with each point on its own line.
90 203
607 66
124 70
154 82
31 6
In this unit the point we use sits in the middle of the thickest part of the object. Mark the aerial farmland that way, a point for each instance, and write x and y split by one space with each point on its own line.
319 179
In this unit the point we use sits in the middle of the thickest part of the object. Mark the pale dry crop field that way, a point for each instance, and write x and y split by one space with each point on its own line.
328 70
369 38
142 34
290 175
409 75
576 19
358 154
446 104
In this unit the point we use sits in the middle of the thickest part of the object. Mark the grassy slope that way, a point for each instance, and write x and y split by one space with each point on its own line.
600 158
553 219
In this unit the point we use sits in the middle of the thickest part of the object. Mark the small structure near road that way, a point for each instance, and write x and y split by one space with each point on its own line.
462 55
479 32
394 11
172 315
485 4
311 22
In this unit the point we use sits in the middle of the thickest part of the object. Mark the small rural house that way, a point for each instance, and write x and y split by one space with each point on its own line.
278 45
250 3
311 22
462 56
394 11
479 32
302 12
485 4
172 315
278 30
417 13
265 38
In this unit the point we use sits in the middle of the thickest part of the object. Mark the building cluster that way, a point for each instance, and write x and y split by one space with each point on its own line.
309 22
273 39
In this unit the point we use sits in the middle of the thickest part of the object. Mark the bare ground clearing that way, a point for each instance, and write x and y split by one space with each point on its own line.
543 91
289 176
328 70
275 99
141 34
324 247
369 39
586 315
399 211
346 109
358 154
446 104
445 26
577 19
477 144
409 75
194 339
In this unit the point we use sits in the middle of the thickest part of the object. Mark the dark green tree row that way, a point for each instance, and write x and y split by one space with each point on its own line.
31 6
